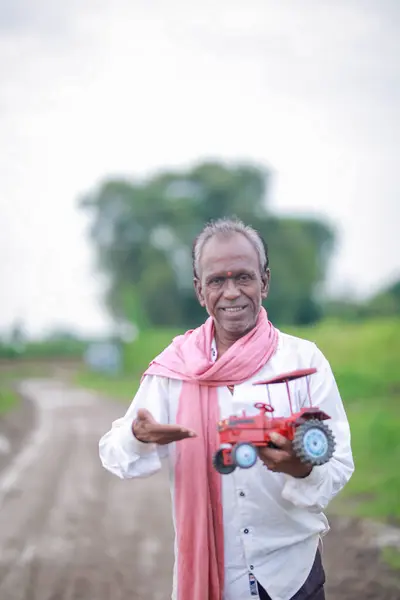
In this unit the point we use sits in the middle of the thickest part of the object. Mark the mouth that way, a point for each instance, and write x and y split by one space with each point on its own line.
232 310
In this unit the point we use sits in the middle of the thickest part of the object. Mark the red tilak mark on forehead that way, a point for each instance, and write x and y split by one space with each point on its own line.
229 273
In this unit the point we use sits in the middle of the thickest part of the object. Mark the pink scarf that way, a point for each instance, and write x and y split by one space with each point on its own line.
198 506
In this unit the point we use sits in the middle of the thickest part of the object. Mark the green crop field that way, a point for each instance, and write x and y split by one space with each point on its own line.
365 359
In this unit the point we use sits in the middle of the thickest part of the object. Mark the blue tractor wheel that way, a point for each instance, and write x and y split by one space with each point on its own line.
244 455
314 442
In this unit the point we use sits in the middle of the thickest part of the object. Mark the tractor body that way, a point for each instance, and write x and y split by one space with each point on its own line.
241 435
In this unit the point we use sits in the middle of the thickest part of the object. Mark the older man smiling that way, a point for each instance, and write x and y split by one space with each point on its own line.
254 533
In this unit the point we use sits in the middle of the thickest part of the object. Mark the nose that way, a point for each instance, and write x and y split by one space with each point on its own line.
231 292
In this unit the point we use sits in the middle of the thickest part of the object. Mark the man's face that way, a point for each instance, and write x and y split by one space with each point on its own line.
230 284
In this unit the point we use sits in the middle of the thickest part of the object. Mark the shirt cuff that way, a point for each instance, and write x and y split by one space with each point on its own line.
302 491
130 444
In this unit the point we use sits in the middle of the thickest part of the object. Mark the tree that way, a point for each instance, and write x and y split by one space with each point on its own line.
143 231
385 303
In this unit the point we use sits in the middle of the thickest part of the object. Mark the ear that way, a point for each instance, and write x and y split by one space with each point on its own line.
265 281
199 291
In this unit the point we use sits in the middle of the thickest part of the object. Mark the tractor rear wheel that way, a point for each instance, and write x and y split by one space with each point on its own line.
313 442
220 466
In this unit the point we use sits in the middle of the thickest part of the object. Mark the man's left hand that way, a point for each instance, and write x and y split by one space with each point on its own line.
283 459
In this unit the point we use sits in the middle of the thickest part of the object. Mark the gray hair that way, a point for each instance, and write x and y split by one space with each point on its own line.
228 227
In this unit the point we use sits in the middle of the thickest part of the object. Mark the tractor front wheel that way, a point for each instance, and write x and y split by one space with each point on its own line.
244 455
220 466
313 442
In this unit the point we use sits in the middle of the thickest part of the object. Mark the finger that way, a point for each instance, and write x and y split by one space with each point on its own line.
280 441
269 462
177 437
173 430
274 459
273 454
270 466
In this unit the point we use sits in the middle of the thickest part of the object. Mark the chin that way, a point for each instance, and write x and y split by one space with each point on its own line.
238 329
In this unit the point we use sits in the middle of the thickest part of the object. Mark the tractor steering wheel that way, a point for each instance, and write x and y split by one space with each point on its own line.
266 407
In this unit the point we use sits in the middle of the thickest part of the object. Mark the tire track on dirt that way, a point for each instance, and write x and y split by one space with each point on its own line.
33 488
70 530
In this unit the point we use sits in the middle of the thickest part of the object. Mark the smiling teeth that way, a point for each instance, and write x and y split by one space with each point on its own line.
236 309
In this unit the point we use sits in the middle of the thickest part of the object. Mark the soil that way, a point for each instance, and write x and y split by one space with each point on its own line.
14 428
71 531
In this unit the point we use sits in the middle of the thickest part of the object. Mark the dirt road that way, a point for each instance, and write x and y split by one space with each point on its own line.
71 531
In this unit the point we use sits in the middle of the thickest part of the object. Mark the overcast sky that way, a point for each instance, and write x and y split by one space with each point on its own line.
97 88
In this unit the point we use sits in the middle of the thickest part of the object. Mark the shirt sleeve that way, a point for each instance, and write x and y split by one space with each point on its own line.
120 452
326 481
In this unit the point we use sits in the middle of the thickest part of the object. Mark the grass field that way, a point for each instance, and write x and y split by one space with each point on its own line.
8 398
365 359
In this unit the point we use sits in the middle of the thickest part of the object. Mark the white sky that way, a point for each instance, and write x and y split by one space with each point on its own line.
98 88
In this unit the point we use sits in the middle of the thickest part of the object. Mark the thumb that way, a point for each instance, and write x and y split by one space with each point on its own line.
144 415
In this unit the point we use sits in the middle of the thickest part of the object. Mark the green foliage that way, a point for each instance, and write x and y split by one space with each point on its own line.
143 234
53 347
386 303
7 351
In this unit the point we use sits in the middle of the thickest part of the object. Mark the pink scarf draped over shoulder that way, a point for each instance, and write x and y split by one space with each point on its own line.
197 493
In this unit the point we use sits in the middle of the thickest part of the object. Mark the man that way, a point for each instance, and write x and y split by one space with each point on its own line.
254 533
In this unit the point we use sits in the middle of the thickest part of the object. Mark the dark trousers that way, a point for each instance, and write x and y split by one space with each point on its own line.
313 587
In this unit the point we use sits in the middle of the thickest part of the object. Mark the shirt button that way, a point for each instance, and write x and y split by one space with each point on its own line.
251 567
246 531
242 493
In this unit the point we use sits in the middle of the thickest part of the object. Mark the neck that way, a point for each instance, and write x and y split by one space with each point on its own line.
222 346
225 340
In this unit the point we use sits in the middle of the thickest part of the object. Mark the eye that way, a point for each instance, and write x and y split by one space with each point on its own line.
216 281
243 277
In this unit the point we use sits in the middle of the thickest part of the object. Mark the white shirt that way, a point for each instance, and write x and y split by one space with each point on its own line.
272 522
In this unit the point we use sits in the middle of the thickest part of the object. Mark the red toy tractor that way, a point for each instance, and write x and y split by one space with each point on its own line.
313 440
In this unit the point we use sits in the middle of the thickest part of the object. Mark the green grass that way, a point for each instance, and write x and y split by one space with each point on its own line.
8 399
374 489
365 359
147 345
120 388
364 356
392 557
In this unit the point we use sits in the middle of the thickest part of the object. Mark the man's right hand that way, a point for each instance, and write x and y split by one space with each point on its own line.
146 429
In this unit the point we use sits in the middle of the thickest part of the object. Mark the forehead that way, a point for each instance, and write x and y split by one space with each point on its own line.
228 253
